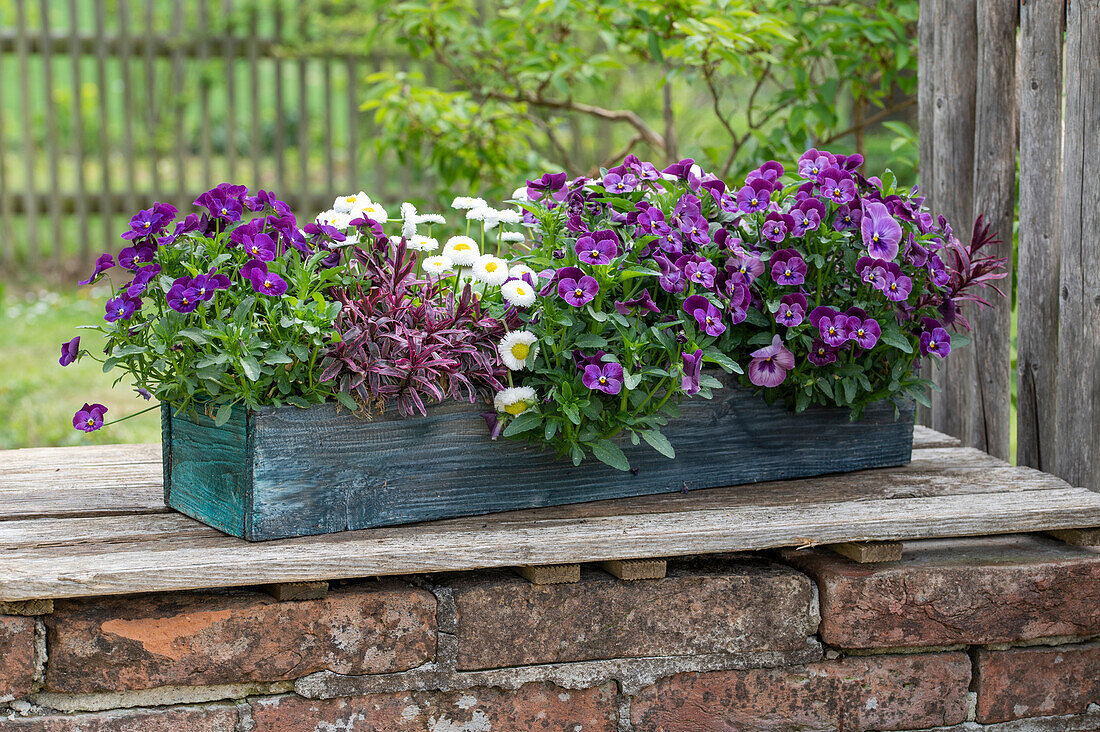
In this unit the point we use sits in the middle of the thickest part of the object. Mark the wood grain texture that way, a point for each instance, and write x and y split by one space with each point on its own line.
1078 382
293 591
994 198
1042 25
550 574
955 408
1077 537
869 552
321 470
636 569
926 108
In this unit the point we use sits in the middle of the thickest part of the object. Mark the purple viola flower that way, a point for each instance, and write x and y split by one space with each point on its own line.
69 351
671 242
121 308
190 223
788 267
692 370
896 287
872 271
864 332
555 276
260 246
776 226
747 264
770 364
102 264
821 353
672 278
770 172
607 377
697 270
651 222
89 418
596 251
205 285
552 184
182 297
578 292
792 310
639 303
707 316
881 232
263 282
151 221
225 202
681 169
936 342
132 258
833 329
820 312
141 280
813 164
847 217
266 199
837 186
696 229
615 183
936 268
754 196
739 299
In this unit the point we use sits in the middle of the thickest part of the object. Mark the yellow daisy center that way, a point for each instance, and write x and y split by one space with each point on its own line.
491 267
520 351
516 407
462 247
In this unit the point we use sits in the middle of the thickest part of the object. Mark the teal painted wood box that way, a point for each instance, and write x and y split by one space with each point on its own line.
280 472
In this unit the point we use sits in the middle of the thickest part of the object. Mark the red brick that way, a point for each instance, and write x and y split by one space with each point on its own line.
230 637
1037 682
16 656
949 591
709 607
214 718
872 692
534 706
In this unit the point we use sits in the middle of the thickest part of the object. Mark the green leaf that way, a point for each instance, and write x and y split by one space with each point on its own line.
609 453
223 414
347 400
893 337
571 411
659 442
298 402
958 340
129 350
523 423
591 340
713 355
195 334
275 357
251 368
597 316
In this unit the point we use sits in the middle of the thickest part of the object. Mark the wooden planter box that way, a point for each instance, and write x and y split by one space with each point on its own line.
281 472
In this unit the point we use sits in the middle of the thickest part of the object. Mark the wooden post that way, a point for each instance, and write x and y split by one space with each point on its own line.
926 107
1042 24
1078 380
956 408
994 197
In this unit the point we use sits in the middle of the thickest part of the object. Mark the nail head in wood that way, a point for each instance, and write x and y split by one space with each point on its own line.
27 607
636 569
869 552
551 574
289 591
1077 537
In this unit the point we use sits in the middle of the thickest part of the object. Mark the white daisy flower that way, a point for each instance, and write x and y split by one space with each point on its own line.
515 400
351 203
334 218
518 270
491 270
374 212
432 218
437 266
421 243
509 216
515 347
462 250
513 237
408 220
518 293
520 194
466 202
481 213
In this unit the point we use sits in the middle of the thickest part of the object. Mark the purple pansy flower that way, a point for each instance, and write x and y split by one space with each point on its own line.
205 285
671 278
692 370
651 221
616 183
747 264
739 299
263 282
260 246
881 232
864 332
671 242
550 183
897 287
707 316
697 270
69 351
89 418
754 196
132 258
792 310
770 172
592 250
102 264
776 226
141 280
641 302
578 292
788 267
822 353
150 221
813 164
770 364
121 308
607 377
555 276
224 202
847 217
182 297
936 342
807 216
833 329
837 186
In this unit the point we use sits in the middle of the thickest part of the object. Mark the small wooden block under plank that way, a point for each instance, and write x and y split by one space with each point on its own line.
551 574
288 591
868 552
1077 537
636 569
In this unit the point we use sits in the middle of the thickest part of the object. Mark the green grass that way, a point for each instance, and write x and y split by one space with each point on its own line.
38 397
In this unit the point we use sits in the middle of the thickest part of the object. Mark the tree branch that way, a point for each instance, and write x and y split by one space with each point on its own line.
873 119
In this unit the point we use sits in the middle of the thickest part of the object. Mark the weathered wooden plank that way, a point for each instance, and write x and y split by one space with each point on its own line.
955 409
636 569
1078 381
504 541
551 574
927 437
1042 25
869 552
293 591
994 198
1077 537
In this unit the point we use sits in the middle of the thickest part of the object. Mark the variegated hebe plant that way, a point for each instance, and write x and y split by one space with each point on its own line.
584 315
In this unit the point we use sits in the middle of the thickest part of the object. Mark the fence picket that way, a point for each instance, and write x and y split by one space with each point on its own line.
180 196
1077 458
204 92
151 123
127 104
230 78
254 97
51 135
31 201
78 133
926 101
104 141
280 105
303 197
6 216
353 126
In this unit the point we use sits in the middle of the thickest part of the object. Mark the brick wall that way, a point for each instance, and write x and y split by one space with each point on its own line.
998 634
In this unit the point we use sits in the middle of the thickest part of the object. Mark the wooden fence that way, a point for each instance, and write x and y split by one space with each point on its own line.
112 105
982 103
